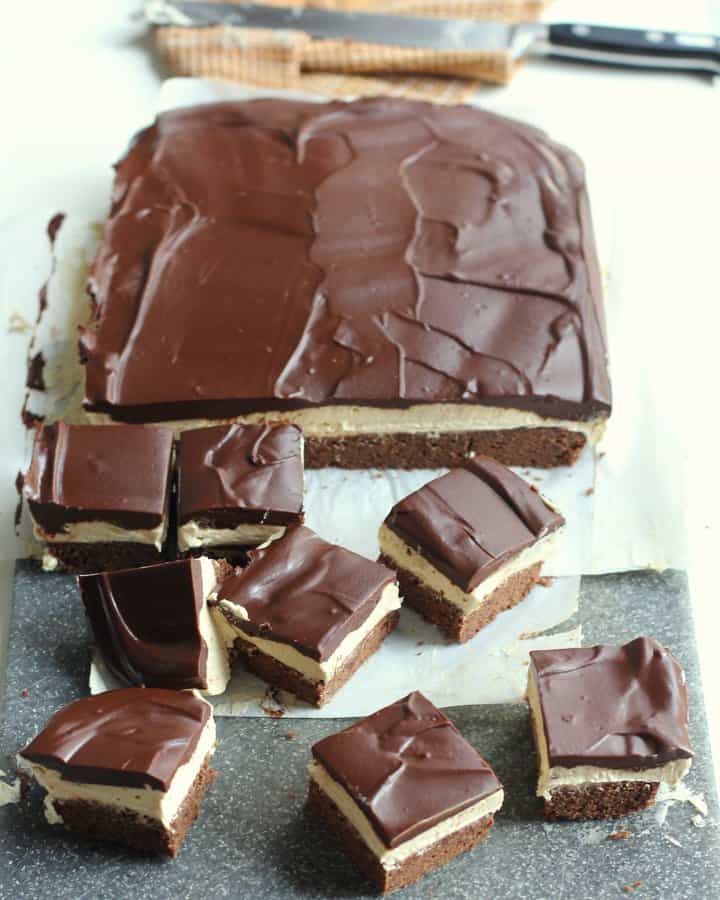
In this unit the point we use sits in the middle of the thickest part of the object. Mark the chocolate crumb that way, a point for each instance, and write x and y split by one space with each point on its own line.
54 226
291 735
35 374
25 693
589 491
628 888
528 635
620 835
638 884
545 581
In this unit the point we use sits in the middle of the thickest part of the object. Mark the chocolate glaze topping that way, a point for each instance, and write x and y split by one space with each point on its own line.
134 737
303 591
108 473
272 255
145 623
620 707
407 767
240 473
469 522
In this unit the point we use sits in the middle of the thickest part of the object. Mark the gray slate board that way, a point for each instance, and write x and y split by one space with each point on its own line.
254 840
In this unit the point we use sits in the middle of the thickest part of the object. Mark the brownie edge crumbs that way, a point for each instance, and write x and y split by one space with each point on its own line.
152 626
610 725
238 486
469 545
404 792
129 766
305 614
98 495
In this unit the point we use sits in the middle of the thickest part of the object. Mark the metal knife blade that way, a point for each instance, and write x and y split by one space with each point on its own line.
372 28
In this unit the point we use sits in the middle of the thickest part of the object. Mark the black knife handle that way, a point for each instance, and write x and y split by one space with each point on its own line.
636 47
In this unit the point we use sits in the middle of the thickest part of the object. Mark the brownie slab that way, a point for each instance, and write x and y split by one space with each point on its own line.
130 766
153 628
377 272
305 614
238 485
98 494
610 725
404 791
469 545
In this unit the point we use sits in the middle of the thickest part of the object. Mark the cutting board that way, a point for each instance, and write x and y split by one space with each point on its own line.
254 839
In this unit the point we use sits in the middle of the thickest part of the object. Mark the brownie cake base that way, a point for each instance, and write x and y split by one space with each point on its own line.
415 866
542 448
608 800
450 619
231 553
103 557
317 693
98 822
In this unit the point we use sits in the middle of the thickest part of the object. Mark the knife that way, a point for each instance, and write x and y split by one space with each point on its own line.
589 43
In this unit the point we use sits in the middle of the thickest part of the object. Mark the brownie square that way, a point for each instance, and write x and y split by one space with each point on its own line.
98 494
128 766
304 614
152 625
404 791
469 545
238 485
610 725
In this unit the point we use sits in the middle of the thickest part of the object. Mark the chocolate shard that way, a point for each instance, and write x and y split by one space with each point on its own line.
107 473
232 474
304 591
133 737
620 707
469 522
146 623
275 255
407 767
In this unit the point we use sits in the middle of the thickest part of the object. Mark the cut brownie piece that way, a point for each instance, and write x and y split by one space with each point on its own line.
128 766
469 545
404 791
152 625
238 486
610 725
410 283
305 614
98 495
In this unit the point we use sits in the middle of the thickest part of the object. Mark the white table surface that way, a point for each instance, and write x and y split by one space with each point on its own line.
74 92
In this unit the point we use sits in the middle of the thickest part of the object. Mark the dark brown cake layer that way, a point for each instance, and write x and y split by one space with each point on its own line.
236 556
98 822
609 800
108 556
317 693
415 866
542 448
434 608
271 255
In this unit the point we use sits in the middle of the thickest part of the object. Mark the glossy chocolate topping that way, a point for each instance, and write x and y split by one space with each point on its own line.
108 473
407 767
240 473
271 255
619 707
145 623
303 591
472 520
134 737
